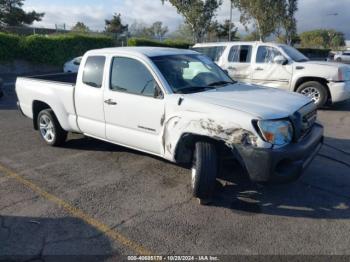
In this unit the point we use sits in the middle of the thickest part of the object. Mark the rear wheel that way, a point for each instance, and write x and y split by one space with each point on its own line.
316 91
204 171
50 129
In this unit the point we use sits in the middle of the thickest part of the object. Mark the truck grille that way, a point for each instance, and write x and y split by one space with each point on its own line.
304 120
308 122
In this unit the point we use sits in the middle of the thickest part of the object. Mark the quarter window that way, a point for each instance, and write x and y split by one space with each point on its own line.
214 52
240 54
267 54
93 71
131 76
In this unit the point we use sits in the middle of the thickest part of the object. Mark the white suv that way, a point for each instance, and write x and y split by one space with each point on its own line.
342 57
281 66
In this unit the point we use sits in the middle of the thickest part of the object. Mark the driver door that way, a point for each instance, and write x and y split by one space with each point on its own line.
268 73
134 106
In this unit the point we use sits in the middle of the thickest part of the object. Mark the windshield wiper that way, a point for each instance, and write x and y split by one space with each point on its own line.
193 89
221 83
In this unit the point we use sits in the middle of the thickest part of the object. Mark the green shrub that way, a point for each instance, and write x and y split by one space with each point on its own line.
56 50
314 53
9 47
166 43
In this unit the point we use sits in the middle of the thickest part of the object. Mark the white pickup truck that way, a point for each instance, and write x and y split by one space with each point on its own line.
281 66
178 105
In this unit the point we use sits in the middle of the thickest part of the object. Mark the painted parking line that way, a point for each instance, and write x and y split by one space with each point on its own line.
112 233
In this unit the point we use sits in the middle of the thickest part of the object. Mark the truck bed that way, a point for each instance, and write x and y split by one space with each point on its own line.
55 91
67 78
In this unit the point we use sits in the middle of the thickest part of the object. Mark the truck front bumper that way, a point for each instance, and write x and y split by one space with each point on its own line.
340 91
284 164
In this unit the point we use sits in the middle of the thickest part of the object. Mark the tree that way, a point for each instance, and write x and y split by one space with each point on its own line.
157 30
184 33
198 14
223 31
253 36
262 13
137 29
322 38
290 22
12 14
80 27
115 25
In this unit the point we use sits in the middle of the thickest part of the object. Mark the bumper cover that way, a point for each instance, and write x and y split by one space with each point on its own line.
285 164
340 91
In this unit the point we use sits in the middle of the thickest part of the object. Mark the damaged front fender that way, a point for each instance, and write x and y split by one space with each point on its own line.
228 132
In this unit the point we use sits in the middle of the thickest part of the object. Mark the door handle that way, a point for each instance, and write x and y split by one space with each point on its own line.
259 69
110 102
231 68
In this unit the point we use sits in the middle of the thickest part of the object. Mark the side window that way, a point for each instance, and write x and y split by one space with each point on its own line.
241 54
267 54
234 54
214 52
131 76
93 71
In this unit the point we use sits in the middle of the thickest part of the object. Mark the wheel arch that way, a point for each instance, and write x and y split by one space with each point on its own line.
306 79
37 107
186 144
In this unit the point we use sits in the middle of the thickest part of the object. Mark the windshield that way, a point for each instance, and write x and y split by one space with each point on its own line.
191 73
294 54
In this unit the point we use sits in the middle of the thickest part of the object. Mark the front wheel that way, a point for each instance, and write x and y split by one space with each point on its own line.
316 91
50 129
204 170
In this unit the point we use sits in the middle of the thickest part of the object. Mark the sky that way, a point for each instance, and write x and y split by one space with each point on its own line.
312 14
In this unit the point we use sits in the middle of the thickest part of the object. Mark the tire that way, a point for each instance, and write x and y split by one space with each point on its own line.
316 91
339 60
50 129
204 170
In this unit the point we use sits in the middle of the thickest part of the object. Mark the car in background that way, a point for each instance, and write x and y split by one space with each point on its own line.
72 66
342 57
281 66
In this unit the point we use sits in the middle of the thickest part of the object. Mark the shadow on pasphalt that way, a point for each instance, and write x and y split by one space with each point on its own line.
341 106
52 239
320 193
323 192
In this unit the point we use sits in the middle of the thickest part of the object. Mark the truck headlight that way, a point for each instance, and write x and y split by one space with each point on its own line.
276 132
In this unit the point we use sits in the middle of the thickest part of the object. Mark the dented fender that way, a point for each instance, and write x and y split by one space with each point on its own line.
199 124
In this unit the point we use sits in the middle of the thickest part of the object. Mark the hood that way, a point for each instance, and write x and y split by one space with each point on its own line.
328 70
261 102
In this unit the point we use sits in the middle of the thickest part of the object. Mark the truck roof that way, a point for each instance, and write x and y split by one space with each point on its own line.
146 51
228 43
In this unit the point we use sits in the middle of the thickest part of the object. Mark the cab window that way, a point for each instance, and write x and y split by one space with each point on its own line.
131 76
93 71
214 52
240 54
267 54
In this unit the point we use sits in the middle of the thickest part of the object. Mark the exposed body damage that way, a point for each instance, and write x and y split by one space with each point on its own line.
196 124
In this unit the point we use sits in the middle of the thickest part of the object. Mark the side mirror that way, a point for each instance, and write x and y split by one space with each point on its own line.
226 72
280 60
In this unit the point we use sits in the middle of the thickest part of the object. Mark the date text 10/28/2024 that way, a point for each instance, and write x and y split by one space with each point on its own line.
173 258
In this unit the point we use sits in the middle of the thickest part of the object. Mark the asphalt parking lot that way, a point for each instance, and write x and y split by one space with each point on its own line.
94 198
